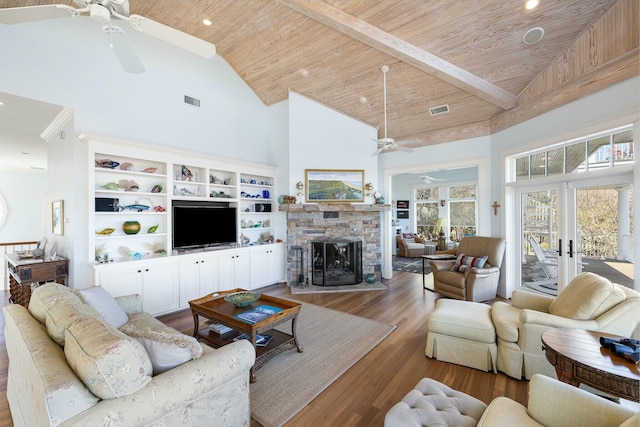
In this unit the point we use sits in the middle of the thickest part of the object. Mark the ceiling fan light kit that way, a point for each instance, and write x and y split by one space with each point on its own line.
104 12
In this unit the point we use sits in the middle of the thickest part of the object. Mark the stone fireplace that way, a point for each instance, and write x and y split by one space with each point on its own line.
310 222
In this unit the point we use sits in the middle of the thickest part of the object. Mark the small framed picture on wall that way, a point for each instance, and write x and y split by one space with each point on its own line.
403 215
57 217
402 204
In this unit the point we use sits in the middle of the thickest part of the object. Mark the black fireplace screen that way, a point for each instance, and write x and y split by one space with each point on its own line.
336 262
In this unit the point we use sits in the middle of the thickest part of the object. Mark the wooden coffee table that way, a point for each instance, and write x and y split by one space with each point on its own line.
579 358
214 308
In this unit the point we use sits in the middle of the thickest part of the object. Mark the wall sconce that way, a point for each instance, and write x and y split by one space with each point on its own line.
442 202
300 186
368 188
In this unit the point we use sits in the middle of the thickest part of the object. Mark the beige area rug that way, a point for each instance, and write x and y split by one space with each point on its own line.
314 289
332 342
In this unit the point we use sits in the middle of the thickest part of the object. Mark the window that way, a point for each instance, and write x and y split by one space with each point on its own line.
426 207
459 212
604 150
462 211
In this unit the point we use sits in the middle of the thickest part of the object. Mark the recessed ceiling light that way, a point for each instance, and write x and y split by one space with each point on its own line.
304 72
531 4
206 22
363 99
1 103
534 35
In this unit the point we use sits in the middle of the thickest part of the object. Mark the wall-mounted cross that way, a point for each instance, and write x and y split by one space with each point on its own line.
495 207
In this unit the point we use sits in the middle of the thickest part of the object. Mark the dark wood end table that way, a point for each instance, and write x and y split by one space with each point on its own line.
579 358
25 274
214 308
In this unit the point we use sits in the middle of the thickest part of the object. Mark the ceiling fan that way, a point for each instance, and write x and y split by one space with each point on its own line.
430 179
386 143
108 12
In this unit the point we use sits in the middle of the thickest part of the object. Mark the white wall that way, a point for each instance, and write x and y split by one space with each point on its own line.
68 62
24 192
322 138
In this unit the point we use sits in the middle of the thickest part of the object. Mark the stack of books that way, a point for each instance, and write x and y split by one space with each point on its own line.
219 328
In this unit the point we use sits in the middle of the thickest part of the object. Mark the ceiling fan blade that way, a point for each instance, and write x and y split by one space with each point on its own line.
401 148
170 35
378 151
124 50
21 15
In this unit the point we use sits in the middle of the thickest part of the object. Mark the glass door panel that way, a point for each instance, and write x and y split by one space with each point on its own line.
603 233
539 240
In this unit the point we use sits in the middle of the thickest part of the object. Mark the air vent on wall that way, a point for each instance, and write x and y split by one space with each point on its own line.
192 101
439 110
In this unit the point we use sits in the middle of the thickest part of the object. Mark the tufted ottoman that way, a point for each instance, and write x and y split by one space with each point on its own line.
432 403
463 333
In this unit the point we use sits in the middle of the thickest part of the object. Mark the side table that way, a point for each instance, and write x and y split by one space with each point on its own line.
579 358
26 273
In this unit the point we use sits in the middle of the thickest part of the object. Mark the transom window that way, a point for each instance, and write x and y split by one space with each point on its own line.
604 150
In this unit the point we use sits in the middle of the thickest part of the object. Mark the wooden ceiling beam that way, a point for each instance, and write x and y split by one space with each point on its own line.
402 50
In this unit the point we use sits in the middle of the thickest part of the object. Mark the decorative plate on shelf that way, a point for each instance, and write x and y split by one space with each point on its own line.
242 299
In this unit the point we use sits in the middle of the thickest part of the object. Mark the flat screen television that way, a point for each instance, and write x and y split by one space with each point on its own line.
200 224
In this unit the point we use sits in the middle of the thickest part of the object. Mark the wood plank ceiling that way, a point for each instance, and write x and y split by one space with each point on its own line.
469 55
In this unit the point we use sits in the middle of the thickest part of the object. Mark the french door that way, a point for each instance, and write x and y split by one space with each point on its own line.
569 227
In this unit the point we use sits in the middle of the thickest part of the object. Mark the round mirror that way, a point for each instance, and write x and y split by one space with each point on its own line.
3 211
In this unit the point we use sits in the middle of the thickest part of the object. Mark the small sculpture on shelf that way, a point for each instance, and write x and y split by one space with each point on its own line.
129 185
186 174
244 240
126 166
266 237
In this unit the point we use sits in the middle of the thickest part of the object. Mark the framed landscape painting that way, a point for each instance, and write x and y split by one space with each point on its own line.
334 185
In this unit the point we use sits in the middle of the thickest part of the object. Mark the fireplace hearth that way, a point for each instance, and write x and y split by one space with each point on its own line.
336 262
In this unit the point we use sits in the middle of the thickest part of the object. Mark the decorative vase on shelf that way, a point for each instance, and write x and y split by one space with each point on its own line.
131 227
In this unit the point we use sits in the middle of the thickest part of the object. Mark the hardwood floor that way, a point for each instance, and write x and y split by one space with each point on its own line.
363 395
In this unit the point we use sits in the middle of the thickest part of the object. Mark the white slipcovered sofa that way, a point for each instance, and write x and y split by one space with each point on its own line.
70 366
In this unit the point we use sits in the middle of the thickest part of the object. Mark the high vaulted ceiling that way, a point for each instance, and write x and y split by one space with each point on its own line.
467 54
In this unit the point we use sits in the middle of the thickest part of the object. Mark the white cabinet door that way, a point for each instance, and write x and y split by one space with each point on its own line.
189 273
267 265
234 270
161 288
121 280
260 260
277 264
208 275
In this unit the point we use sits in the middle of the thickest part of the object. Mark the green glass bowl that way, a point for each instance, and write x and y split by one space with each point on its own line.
242 299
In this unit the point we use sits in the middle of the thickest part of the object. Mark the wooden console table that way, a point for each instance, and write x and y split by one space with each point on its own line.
26 273
580 359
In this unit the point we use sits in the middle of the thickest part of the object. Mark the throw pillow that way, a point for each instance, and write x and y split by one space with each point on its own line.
166 347
102 301
61 315
466 261
108 362
44 296
586 297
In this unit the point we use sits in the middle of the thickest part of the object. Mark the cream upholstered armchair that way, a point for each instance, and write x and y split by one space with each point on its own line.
589 302
474 274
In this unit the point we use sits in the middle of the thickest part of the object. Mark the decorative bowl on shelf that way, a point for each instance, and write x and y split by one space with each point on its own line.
131 227
242 299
